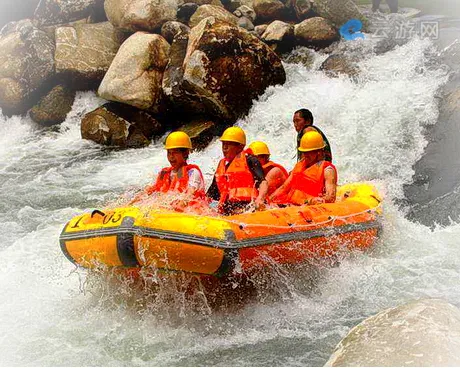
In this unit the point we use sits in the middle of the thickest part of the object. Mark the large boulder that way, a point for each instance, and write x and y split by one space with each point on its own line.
54 106
84 52
217 12
119 125
26 66
424 333
315 32
51 12
269 10
338 12
339 64
219 70
140 15
135 76
280 35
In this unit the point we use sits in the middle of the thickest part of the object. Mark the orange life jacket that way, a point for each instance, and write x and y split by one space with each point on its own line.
235 183
179 182
307 182
274 184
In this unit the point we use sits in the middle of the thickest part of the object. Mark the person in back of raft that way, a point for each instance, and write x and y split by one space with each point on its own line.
180 177
275 174
303 122
313 180
239 179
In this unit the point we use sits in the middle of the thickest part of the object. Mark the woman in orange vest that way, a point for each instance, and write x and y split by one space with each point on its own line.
275 174
180 177
239 179
313 180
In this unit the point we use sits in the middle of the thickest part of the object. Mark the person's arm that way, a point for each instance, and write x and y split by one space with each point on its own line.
330 184
259 179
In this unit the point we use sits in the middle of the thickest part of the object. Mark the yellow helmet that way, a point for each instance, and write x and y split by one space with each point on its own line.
259 148
178 140
234 134
311 141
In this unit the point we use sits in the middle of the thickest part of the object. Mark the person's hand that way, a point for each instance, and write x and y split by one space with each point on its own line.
316 200
179 205
259 204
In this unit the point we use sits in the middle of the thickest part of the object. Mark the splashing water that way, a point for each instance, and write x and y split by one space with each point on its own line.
52 314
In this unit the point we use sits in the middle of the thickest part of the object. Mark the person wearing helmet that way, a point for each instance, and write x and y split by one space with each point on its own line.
303 122
275 174
313 180
239 178
179 177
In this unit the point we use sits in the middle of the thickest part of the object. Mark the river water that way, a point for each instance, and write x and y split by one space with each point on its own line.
54 314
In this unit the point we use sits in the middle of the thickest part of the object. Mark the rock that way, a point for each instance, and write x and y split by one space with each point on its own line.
260 29
245 11
135 76
303 9
245 23
170 29
26 66
231 5
140 15
279 34
186 11
301 55
84 52
339 64
119 125
206 11
50 12
420 333
11 11
220 70
315 32
201 132
269 10
54 106
338 12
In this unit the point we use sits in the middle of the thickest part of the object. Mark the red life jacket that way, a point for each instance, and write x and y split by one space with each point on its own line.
178 183
274 185
307 182
235 183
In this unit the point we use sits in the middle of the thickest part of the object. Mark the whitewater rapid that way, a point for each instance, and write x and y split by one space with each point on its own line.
54 314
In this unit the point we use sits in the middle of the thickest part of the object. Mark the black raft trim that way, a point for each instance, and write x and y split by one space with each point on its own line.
125 243
64 246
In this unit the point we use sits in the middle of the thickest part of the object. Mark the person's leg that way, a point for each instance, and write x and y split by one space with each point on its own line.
393 4
375 5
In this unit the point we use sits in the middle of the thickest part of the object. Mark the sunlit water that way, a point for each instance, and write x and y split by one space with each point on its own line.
53 314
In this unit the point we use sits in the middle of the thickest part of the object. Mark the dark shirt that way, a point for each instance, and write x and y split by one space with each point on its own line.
327 149
256 170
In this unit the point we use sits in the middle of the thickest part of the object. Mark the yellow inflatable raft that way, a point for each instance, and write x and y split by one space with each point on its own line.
135 237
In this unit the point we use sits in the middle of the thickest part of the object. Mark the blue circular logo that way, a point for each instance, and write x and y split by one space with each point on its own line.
350 30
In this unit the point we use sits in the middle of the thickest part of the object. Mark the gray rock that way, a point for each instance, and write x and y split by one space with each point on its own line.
135 76
260 29
206 11
170 29
245 11
200 131
420 333
279 34
120 125
245 23
140 15
315 32
84 52
26 66
54 106
339 64
220 70
50 12
338 12
302 8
